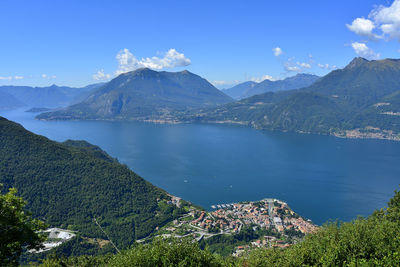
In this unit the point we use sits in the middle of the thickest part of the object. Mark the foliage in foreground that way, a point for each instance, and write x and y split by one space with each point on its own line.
159 253
69 184
372 241
17 228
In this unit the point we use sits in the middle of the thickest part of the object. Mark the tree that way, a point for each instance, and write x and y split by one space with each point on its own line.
17 229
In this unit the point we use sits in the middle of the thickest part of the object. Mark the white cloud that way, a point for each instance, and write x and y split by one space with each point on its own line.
292 68
327 66
277 51
45 76
262 78
6 78
382 19
388 18
222 82
128 62
363 27
304 65
16 77
363 50
323 66
100 75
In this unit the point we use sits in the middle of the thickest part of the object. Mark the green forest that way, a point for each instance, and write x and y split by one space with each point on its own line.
371 241
70 184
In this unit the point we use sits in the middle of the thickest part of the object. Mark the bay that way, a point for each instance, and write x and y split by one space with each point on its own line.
320 177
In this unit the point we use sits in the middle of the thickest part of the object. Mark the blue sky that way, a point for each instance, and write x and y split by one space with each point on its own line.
76 43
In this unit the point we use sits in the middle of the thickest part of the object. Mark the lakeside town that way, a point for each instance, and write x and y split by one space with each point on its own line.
273 224
281 225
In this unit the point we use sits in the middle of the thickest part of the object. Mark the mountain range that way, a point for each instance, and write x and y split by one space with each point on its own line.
144 94
360 101
8 101
43 97
250 88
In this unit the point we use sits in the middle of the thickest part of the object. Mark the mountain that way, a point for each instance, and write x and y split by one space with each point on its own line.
248 89
237 91
361 82
8 101
144 94
46 97
70 184
361 100
83 93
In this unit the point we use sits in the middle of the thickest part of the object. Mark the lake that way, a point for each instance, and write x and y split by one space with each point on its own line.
320 177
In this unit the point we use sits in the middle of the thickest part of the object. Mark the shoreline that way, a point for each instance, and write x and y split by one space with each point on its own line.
357 133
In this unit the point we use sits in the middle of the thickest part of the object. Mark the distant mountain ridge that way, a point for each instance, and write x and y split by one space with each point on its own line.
8 101
144 94
46 97
250 88
361 100
238 91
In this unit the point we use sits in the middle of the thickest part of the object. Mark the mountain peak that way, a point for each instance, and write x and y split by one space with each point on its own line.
356 62
140 71
185 72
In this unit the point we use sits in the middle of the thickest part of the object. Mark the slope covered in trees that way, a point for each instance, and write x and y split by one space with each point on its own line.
360 100
144 94
69 184
371 241
17 228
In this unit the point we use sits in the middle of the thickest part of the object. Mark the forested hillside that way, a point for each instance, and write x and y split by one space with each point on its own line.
371 241
361 100
70 184
144 94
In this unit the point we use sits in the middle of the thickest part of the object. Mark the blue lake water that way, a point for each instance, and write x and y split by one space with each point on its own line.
320 177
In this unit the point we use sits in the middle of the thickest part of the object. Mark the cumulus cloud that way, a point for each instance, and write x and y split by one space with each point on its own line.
100 75
290 68
388 19
362 27
16 77
363 50
384 20
5 78
304 65
262 78
326 66
128 62
277 51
